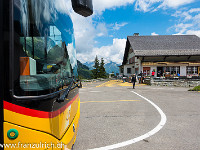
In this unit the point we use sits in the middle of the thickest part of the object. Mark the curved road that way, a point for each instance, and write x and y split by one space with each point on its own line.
112 113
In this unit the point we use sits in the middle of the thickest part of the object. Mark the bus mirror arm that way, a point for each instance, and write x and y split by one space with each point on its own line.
65 94
78 83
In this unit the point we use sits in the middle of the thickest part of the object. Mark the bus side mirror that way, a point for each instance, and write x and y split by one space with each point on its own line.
83 7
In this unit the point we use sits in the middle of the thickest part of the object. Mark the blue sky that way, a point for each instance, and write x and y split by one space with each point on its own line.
134 22
105 32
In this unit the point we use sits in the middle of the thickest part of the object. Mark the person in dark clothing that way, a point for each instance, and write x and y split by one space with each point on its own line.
141 77
133 80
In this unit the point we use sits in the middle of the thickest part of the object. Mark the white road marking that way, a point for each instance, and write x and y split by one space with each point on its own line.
142 137
94 91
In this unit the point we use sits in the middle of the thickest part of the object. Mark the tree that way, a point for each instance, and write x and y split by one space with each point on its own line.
102 69
96 70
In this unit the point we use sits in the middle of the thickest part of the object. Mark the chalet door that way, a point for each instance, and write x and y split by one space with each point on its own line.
146 71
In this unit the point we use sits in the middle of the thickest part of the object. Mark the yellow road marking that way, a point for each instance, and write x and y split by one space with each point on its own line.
116 83
110 101
129 100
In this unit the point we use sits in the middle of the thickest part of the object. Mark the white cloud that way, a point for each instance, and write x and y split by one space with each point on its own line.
193 32
194 10
84 31
102 5
100 34
197 18
188 21
62 5
114 52
72 54
154 33
154 5
102 29
186 15
175 3
181 28
145 5
119 26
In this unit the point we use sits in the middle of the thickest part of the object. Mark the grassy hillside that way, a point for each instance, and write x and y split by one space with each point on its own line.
83 71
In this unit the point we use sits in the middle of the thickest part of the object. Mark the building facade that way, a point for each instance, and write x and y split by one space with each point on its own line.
166 55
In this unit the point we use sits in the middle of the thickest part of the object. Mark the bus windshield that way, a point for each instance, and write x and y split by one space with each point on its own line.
45 56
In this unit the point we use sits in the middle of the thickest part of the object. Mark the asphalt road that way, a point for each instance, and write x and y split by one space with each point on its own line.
111 114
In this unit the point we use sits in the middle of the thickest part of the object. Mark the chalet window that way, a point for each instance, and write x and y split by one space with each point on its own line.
128 70
192 70
131 60
172 70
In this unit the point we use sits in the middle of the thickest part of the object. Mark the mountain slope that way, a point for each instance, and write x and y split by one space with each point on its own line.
110 67
83 71
90 65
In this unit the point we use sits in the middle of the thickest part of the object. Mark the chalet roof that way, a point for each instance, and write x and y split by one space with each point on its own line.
165 42
177 52
163 45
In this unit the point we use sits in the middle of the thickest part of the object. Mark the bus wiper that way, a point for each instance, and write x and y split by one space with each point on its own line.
44 97
66 92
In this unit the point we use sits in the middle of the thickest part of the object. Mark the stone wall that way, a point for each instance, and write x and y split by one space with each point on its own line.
177 83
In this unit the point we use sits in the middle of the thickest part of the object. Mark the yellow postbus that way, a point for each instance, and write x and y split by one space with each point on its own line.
39 96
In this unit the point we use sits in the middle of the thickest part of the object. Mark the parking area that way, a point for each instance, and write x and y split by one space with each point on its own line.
115 116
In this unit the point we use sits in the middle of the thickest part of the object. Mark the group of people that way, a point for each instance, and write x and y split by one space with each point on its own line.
133 79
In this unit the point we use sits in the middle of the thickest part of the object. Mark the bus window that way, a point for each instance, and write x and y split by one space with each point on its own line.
45 42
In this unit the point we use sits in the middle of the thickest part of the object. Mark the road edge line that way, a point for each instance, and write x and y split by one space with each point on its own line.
142 137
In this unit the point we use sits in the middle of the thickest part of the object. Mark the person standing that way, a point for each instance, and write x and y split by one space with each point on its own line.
153 73
133 80
124 78
140 76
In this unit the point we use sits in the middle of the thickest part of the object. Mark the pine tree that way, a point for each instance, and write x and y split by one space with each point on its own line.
96 70
102 69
